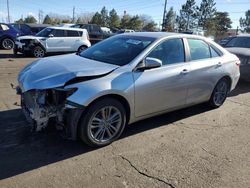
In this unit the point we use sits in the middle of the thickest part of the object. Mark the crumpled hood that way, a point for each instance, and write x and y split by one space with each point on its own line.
239 51
55 71
29 37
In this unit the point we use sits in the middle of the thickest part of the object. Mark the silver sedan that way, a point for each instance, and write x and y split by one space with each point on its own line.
124 79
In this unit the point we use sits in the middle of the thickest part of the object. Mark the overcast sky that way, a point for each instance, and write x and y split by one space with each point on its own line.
154 8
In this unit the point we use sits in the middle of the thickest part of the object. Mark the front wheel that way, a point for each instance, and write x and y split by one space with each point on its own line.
103 122
38 52
7 44
219 94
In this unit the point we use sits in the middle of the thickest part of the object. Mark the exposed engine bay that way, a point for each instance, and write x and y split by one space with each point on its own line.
40 106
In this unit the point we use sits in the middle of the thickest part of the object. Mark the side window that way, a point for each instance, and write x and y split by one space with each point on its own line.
198 49
214 52
169 52
72 33
58 33
4 27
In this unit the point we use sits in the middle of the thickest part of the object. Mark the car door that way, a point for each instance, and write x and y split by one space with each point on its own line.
55 41
72 40
205 70
162 88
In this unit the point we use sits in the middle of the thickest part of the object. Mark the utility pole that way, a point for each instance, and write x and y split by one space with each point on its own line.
8 11
73 20
164 16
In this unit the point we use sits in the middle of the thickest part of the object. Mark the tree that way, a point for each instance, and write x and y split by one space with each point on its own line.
151 26
96 19
245 22
187 18
135 23
205 13
104 17
114 19
47 20
168 25
85 17
223 23
20 21
30 19
125 22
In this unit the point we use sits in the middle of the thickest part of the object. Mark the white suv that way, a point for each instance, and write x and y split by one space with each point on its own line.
53 40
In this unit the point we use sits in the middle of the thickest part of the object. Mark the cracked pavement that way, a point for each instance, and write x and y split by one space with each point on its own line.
193 147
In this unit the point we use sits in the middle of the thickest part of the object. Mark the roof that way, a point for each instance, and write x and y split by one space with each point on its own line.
67 28
37 25
158 35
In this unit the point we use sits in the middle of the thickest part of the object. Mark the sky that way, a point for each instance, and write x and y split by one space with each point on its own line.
153 8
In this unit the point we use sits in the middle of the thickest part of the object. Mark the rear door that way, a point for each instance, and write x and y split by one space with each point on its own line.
56 43
72 40
165 87
206 67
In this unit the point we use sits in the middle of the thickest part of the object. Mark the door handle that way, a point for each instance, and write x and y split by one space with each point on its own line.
219 64
184 71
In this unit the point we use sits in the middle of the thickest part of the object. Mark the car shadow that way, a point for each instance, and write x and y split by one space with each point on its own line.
241 88
22 150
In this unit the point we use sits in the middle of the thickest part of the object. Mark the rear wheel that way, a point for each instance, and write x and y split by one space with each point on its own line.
219 94
81 48
39 52
103 122
7 44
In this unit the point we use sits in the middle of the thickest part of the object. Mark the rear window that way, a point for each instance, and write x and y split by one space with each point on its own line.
240 42
73 33
198 49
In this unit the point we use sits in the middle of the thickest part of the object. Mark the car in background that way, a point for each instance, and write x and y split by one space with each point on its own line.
223 41
53 40
240 46
29 29
8 35
95 32
124 79
125 31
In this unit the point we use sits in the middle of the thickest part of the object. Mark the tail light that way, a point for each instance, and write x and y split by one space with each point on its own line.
237 63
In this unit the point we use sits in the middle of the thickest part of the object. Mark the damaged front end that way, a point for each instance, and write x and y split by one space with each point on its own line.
43 106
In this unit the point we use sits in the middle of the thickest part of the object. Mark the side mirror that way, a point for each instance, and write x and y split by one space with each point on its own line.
150 63
51 35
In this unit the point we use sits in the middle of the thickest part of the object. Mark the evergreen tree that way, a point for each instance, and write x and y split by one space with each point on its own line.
151 26
245 22
47 20
97 19
20 21
104 17
114 20
125 22
135 23
169 21
30 19
206 13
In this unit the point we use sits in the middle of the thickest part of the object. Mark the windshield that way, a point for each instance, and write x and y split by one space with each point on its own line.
45 32
117 50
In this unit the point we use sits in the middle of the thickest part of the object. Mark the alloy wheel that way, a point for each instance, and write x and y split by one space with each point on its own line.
105 123
220 93
7 44
38 52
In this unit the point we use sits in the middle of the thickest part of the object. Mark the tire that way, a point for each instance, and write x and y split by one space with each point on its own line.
81 48
219 94
7 43
96 129
38 52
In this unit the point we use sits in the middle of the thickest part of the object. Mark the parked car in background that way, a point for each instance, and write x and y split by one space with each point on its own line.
223 41
124 31
8 35
30 29
95 32
124 79
240 46
53 40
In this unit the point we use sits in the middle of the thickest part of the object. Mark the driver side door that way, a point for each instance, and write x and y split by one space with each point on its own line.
163 88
